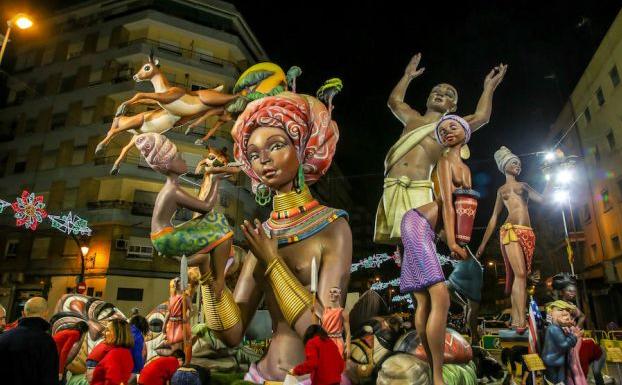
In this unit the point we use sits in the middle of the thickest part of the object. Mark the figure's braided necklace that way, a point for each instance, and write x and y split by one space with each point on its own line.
292 203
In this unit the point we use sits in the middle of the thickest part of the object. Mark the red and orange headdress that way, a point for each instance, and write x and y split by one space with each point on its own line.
305 119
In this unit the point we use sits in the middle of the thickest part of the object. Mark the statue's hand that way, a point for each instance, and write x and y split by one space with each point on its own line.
262 247
480 251
412 70
495 76
458 251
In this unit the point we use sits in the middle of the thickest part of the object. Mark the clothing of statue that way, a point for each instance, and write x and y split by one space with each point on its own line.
332 322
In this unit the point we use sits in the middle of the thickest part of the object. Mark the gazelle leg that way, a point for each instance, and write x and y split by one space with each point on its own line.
122 156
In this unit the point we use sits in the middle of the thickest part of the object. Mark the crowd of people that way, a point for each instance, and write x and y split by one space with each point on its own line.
31 355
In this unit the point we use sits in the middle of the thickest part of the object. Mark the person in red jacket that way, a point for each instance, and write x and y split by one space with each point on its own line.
159 371
114 361
322 358
65 340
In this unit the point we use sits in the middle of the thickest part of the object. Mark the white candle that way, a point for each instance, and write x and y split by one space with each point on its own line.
313 276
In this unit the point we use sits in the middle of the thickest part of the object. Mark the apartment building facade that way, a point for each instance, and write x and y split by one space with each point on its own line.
597 191
63 92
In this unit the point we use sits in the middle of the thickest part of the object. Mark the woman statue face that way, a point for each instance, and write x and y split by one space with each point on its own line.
451 133
273 157
513 167
335 294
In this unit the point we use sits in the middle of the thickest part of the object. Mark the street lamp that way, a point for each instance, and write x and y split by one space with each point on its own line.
22 21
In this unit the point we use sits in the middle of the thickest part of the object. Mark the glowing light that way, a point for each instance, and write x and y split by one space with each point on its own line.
547 177
22 21
561 196
491 263
565 176
85 250
549 156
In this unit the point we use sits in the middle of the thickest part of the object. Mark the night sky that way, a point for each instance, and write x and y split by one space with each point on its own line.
369 43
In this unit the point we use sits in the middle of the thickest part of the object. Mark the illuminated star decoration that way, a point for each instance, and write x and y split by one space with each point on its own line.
377 286
4 204
29 210
70 224
374 261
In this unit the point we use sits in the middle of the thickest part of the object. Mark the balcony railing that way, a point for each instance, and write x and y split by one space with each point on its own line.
182 52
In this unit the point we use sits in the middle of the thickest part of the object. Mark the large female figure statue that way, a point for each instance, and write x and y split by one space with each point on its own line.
518 240
421 269
282 142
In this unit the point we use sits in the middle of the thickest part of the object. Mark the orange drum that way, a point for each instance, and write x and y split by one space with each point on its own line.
465 204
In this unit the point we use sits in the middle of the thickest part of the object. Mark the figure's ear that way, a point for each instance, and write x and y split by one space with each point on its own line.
156 62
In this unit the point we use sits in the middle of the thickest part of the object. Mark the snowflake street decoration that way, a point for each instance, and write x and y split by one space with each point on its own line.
3 205
371 262
70 224
383 285
29 210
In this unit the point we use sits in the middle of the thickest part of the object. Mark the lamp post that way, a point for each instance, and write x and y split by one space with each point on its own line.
22 21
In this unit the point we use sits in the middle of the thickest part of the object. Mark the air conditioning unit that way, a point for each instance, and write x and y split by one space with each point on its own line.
120 244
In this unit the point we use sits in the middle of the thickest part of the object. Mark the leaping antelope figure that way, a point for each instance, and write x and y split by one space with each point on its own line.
176 100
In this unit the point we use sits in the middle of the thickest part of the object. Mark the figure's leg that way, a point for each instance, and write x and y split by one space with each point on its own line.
122 156
421 320
472 321
435 329
209 134
220 255
519 287
119 125
597 367
201 119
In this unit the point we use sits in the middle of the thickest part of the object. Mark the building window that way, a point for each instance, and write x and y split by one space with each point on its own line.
67 84
87 116
588 115
143 202
604 195
70 198
129 294
611 139
77 158
90 291
95 77
615 241
48 160
20 167
614 75
40 248
10 250
58 120
596 154
587 216
140 248
600 96
71 249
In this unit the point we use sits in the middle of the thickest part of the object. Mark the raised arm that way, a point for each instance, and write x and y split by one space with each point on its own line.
483 111
189 202
492 224
448 210
536 196
396 103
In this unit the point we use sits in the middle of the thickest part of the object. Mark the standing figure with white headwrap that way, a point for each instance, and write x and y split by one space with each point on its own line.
517 238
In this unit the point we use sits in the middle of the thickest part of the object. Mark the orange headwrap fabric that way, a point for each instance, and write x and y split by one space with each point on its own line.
306 121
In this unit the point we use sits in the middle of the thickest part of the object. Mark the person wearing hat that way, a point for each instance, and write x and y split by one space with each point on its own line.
518 241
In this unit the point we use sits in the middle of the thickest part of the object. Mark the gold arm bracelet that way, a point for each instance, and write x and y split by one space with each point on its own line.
292 297
219 314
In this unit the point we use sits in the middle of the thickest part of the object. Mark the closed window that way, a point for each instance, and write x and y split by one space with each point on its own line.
48 160
68 83
69 198
77 158
71 249
140 248
86 117
58 121
614 76
20 167
600 96
588 115
95 77
40 248
604 195
587 216
615 242
10 250
129 294
611 139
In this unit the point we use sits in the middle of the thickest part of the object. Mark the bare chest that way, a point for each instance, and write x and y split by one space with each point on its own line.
299 256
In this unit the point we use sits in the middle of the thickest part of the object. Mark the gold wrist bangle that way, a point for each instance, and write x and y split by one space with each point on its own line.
219 314
271 266
293 298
